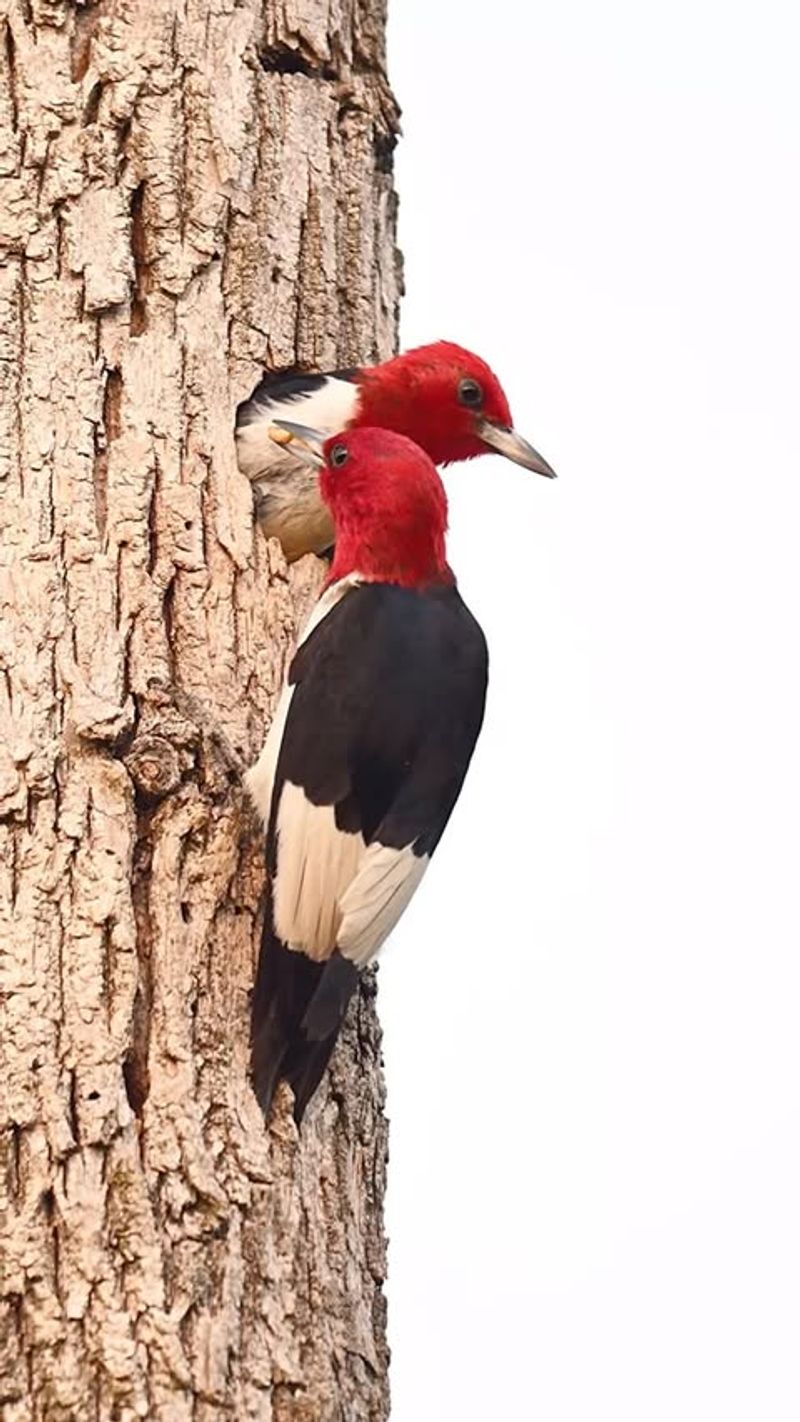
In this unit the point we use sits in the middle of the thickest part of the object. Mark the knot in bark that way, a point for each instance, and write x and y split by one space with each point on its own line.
154 766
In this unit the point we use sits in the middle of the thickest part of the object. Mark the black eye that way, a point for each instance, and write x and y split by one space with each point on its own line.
470 393
337 456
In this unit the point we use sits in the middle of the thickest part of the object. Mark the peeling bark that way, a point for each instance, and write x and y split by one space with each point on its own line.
189 189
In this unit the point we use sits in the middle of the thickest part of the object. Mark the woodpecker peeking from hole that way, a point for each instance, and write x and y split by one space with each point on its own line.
441 396
368 748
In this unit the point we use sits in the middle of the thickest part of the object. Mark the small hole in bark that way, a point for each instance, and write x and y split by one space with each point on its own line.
188 523
282 59
11 60
137 1083
93 1096
92 106
141 284
186 912
134 1068
112 405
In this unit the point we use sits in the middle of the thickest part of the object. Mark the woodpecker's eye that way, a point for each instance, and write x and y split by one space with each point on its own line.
337 456
470 393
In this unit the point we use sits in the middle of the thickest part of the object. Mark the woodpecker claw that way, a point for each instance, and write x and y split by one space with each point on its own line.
513 446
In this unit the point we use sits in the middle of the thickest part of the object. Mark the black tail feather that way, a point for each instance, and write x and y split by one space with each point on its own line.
304 1068
298 1009
324 1014
285 981
268 1046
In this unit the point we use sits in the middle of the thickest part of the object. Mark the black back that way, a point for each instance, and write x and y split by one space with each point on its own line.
389 697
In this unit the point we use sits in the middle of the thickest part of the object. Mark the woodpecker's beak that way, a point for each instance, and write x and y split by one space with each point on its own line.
513 446
305 444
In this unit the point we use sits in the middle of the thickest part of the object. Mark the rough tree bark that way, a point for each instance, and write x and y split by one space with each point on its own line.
190 189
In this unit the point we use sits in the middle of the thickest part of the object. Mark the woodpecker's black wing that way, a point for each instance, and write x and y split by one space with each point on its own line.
387 701
285 386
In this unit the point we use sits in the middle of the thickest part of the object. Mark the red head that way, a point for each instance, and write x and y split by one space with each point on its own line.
447 401
389 508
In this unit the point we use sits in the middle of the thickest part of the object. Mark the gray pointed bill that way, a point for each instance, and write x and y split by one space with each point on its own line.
305 443
510 444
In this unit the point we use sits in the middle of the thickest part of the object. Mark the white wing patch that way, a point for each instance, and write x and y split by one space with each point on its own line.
260 778
376 898
315 864
329 409
330 889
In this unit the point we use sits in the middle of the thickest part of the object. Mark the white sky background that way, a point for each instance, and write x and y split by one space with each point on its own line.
592 1009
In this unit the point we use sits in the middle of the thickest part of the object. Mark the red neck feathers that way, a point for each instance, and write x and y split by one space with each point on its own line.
389 508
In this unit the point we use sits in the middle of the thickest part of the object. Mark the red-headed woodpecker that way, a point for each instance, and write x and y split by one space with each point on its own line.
367 751
444 398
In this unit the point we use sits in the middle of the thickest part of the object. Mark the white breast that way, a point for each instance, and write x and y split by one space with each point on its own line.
328 409
287 498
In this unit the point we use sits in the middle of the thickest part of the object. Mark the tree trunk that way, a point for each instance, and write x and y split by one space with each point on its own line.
190 189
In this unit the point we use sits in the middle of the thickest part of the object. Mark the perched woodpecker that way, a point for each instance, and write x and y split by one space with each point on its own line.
367 751
444 398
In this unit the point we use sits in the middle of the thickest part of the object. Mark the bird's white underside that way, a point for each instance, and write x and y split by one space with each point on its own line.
329 410
288 502
330 889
